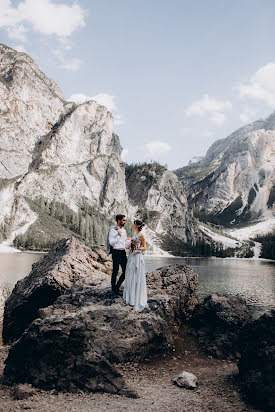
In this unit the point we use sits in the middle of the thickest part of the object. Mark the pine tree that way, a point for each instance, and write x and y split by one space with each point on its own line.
53 206
76 223
82 226
42 203
47 206
87 229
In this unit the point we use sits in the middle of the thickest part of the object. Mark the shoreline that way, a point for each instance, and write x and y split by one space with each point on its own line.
9 250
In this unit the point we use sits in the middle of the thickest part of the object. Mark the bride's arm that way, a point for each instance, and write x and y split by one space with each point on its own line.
143 243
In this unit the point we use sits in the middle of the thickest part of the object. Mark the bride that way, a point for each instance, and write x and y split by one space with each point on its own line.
135 290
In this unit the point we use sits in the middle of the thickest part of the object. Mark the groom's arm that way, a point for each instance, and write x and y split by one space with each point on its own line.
113 237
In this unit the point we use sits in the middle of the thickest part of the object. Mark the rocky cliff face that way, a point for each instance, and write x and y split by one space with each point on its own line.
161 200
53 152
235 181
61 173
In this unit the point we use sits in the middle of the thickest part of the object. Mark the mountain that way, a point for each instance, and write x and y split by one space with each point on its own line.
161 201
61 172
57 158
234 184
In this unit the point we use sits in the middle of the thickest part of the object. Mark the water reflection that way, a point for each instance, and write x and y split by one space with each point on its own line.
13 267
253 280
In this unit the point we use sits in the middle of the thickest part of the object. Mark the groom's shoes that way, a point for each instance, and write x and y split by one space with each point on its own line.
116 291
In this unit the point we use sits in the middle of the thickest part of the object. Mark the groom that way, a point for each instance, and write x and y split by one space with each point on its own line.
116 245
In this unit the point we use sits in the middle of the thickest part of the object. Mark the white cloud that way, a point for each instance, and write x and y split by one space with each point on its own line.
72 64
104 99
20 48
124 154
156 148
248 114
44 16
17 32
209 106
117 119
79 98
260 86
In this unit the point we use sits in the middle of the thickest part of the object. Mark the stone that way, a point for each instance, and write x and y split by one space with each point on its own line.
257 361
75 343
157 191
22 391
68 262
186 380
217 321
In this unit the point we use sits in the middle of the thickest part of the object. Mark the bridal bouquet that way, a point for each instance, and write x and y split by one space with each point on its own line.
135 243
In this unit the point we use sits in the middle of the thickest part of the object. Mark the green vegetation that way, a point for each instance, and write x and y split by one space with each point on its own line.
251 196
200 248
268 245
56 221
5 229
271 198
145 166
194 172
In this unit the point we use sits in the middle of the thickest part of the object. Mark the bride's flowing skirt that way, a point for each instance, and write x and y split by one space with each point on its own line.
135 290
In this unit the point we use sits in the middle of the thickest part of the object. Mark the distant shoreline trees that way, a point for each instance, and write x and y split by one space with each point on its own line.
268 245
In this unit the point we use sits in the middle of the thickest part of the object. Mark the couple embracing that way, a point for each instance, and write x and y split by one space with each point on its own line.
133 268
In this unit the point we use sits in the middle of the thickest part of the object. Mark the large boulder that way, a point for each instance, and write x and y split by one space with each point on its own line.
257 362
76 342
217 321
66 263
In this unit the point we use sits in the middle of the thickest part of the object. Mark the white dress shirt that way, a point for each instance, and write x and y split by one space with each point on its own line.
116 241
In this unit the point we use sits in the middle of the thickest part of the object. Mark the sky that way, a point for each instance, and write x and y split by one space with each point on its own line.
176 74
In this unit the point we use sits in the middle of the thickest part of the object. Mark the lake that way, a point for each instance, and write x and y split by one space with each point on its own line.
254 280
251 279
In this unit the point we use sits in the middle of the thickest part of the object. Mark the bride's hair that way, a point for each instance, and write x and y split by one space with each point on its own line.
139 224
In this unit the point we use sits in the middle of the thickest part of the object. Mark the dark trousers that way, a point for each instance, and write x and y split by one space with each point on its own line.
119 258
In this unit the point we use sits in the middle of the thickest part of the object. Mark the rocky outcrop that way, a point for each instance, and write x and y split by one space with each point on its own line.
257 362
55 152
161 201
75 342
235 181
67 263
217 322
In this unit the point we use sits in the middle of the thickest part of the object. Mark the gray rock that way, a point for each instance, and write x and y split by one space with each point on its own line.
22 391
53 149
257 362
159 194
75 342
217 321
186 380
68 262
227 184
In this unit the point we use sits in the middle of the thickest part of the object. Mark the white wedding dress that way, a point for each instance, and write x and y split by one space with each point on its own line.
135 289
